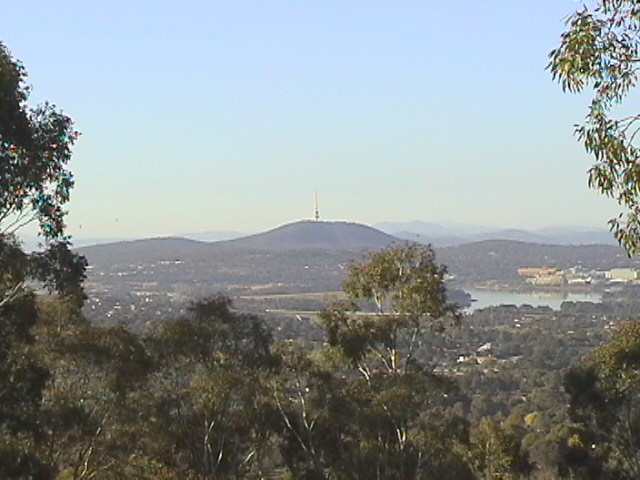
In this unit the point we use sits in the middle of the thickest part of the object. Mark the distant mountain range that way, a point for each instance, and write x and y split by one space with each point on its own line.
303 235
32 243
447 234
349 235
312 255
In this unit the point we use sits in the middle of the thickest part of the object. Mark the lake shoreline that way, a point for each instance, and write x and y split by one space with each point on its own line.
482 298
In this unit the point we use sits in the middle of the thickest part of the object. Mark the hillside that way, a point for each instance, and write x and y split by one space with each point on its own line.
446 234
145 251
159 275
301 236
301 243
308 256
305 235
499 259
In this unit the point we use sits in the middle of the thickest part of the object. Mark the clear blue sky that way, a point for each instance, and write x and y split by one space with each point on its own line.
229 115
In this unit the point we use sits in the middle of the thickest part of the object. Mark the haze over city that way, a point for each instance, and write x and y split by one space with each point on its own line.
204 115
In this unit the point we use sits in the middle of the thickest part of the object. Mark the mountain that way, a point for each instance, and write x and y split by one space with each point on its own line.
500 259
446 234
172 268
578 236
435 241
434 229
145 251
310 253
511 234
314 235
213 236
31 243
304 235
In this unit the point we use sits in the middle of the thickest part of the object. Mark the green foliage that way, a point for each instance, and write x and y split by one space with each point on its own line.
367 408
337 423
600 51
206 416
605 393
60 270
404 281
407 287
214 334
18 461
35 147
22 377
495 453
35 185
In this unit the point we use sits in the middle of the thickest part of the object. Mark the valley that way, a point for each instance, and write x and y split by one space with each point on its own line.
296 269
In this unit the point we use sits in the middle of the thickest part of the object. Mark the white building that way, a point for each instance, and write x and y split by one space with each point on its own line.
622 274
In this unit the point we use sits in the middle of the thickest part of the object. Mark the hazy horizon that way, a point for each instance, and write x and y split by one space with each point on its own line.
465 231
205 116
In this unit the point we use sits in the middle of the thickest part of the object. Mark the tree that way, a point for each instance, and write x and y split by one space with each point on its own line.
495 453
407 290
599 51
204 399
35 147
88 417
35 183
366 407
333 423
604 395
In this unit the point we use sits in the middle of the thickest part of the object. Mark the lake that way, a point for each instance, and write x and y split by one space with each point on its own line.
488 298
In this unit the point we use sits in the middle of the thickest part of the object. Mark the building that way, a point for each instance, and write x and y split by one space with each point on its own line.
622 274
537 271
548 280
543 276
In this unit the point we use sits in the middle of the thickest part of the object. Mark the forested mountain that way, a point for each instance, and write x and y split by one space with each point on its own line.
292 237
287 251
146 250
314 235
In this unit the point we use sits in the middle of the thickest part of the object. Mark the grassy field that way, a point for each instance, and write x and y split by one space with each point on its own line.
330 295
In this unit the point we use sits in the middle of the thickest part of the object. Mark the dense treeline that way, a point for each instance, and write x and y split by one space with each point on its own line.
211 394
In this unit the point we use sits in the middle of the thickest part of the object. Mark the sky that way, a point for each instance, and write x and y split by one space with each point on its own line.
230 115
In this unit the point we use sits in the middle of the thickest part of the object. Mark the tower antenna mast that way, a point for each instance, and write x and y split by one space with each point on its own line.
316 215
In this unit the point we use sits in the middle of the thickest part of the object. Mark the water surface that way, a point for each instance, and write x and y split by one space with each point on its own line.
553 299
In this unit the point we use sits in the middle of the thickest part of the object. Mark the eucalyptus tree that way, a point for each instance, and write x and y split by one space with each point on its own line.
406 287
204 400
35 148
599 52
35 184
367 408
604 395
